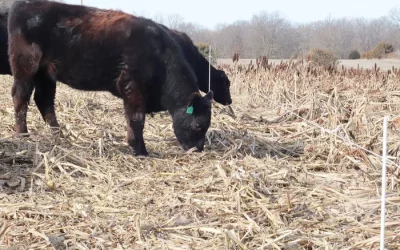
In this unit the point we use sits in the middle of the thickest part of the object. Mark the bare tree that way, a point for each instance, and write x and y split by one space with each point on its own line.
189 28
394 15
174 21
159 18
177 22
269 31
301 40
272 35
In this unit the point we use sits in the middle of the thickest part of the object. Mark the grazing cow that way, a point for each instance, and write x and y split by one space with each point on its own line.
220 83
102 50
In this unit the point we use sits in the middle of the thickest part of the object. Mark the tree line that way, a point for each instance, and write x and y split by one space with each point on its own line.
270 34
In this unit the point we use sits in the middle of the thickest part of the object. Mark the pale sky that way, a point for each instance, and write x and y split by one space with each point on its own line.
209 13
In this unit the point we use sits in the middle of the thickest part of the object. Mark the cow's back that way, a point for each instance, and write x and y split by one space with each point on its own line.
90 49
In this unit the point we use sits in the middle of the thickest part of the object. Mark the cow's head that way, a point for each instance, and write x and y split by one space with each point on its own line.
192 121
221 87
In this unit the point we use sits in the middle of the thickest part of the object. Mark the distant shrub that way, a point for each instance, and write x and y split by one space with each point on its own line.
204 49
235 57
380 51
354 54
322 57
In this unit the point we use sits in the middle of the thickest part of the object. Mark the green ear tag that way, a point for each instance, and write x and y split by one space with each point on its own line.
189 110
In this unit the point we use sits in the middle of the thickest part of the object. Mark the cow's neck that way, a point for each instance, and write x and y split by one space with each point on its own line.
180 84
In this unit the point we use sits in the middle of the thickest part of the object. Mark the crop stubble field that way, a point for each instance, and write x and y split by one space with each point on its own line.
384 64
268 178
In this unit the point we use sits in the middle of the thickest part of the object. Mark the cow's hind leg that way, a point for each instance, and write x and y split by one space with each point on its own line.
45 92
21 93
24 61
135 112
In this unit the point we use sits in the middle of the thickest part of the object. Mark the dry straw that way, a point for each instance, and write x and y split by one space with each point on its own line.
267 180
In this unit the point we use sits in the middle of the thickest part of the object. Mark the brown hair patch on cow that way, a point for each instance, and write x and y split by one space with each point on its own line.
105 23
52 70
70 23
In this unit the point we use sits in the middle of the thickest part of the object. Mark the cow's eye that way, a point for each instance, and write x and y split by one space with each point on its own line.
197 127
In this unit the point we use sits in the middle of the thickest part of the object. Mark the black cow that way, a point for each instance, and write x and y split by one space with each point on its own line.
102 50
219 83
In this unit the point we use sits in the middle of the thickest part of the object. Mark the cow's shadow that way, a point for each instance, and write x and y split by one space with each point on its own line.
239 144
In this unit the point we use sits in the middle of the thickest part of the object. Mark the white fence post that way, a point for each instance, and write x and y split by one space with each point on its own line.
383 195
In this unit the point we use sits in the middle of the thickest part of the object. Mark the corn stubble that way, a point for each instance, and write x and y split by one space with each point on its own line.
268 179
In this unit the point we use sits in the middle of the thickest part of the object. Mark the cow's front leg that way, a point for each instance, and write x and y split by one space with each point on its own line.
135 112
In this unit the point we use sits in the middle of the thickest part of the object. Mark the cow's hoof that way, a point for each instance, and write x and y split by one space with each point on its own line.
141 153
22 135
142 156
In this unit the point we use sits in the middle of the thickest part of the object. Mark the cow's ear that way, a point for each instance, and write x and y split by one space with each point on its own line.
194 99
198 103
